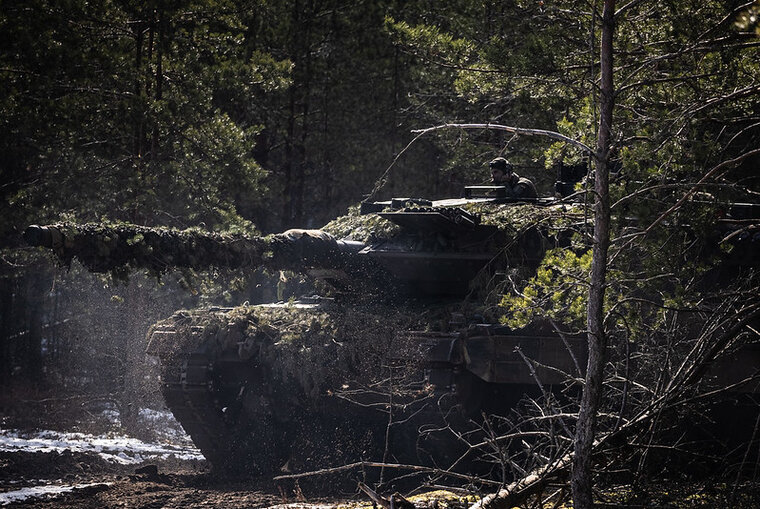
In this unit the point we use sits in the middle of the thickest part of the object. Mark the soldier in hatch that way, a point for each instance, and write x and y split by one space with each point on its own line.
517 186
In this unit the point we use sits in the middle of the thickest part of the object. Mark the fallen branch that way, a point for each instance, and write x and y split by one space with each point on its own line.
376 464
377 499
532 484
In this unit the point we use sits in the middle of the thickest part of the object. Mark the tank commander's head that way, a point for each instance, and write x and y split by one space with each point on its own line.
501 171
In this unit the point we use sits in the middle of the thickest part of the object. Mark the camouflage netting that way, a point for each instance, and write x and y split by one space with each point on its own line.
312 349
121 247
527 231
516 217
507 217
367 228
105 247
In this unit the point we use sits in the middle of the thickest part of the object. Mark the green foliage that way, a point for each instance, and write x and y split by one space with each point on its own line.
578 124
439 46
558 291
520 217
127 96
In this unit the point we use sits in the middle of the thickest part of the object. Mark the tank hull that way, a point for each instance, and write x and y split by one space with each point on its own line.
290 387
264 389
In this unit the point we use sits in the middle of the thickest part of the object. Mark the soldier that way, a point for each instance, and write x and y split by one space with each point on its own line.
517 186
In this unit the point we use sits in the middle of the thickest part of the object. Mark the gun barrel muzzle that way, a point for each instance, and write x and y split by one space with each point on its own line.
38 236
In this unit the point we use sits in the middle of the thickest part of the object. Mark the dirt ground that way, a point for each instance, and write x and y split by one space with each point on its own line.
33 476
66 478
97 483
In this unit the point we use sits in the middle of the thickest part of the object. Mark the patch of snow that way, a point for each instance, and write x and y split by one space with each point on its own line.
290 305
116 448
10 497
160 423
151 415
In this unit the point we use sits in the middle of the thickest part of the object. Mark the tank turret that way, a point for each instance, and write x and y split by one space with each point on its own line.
406 245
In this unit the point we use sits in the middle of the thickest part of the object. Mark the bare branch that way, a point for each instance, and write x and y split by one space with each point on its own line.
725 164
375 464
737 94
628 6
516 130
523 488
384 177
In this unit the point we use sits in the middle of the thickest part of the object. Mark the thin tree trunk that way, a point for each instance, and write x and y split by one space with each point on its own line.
7 284
597 341
133 357
33 340
287 212
137 149
161 26
289 187
299 174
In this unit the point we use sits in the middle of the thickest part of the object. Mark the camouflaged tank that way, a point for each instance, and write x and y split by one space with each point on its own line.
370 372
393 363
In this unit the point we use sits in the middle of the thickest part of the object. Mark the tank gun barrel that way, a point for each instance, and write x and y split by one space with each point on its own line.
102 248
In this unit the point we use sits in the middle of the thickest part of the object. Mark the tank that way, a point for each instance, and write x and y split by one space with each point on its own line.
393 365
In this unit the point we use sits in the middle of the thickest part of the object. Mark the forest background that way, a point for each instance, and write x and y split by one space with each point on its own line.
259 116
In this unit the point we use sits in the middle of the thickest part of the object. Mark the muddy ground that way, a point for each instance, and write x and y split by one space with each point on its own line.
33 476
95 483
89 481
41 468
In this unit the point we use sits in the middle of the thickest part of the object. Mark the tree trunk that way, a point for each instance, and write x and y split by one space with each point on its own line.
287 202
161 41
137 148
597 340
291 150
6 313
133 357
33 340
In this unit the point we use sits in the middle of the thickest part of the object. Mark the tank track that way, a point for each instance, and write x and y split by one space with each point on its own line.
201 400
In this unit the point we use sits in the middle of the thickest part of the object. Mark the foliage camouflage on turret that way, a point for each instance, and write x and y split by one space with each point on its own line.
361 228
516 217
510 218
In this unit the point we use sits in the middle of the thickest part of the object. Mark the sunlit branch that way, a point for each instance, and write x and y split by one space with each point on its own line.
516 130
